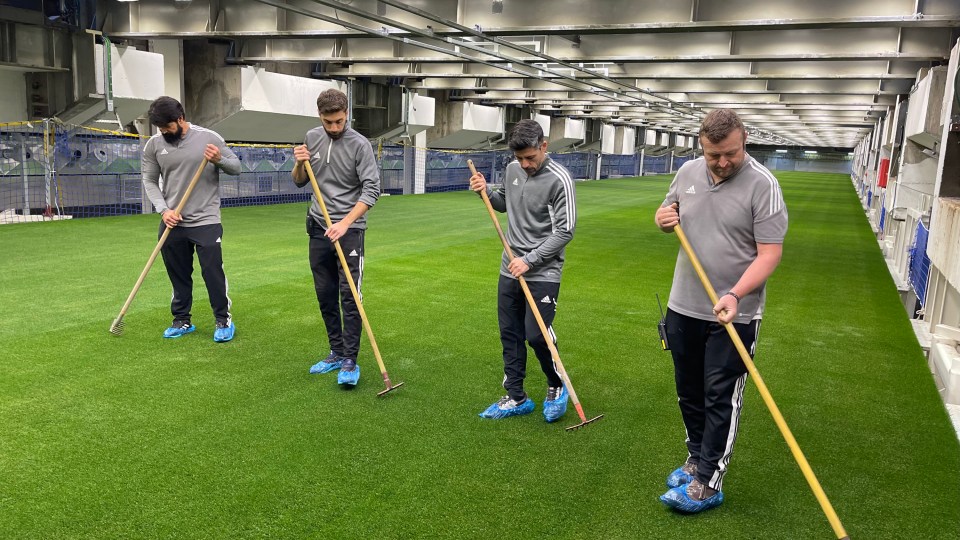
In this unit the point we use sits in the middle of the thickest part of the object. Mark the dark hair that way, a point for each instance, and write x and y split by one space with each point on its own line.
526 134
331 101
164 110
719 123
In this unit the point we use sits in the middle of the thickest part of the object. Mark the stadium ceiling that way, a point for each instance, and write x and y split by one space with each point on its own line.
812 73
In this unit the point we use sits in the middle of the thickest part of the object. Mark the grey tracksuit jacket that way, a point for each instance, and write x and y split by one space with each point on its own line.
541 217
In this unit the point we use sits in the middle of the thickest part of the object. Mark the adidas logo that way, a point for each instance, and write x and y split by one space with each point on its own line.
218 240
317 155
164 152
516 182
545 300
353 253
690 191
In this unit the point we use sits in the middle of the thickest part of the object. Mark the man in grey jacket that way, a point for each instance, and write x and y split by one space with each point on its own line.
343 162
538 196
175 153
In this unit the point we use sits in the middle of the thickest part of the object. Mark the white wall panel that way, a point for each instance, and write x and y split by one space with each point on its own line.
608 135
261 90
650 138
574 128
923 110
422 111
544 122
482 118
136 74
629 143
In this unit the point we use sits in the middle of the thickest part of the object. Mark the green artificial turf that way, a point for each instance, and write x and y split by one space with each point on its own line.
141 437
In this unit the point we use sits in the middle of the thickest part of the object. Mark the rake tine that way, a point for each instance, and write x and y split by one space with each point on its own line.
390 388
585 422
583 417
117 327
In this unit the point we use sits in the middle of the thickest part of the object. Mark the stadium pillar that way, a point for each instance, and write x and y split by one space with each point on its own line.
409 164
420 163
47 168
23 173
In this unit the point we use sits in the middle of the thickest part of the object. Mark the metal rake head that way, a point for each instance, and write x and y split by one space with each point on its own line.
585 422
117 327
390 389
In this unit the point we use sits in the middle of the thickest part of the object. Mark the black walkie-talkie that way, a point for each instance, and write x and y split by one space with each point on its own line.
662 327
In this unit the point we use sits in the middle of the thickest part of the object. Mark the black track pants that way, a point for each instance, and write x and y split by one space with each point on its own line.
177 254
519 327
710 378
333 290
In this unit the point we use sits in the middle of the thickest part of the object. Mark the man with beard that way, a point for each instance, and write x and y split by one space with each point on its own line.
175 153
538 196
732 211
349 179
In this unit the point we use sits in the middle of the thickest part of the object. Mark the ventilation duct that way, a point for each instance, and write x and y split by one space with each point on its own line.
250 104
466 125
565 133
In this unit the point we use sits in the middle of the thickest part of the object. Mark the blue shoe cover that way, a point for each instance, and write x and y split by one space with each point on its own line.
507 407
678 499
679 478
224 331
328 364
349 376
178 328
554 409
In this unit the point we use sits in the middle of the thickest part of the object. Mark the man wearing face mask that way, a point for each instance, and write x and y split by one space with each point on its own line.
349 178
175 153
538 196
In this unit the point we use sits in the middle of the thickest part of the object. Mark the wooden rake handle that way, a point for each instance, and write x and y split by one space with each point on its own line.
765 394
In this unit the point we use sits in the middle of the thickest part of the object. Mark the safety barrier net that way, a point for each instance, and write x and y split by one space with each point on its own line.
51 170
